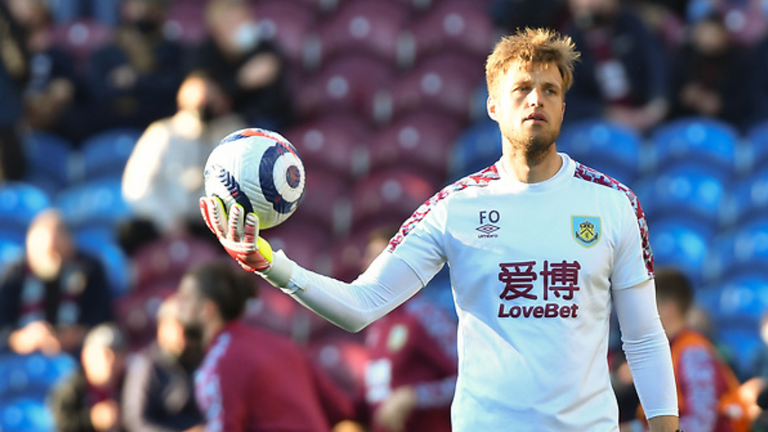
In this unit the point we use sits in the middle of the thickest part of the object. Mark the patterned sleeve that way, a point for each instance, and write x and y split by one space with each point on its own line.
697 374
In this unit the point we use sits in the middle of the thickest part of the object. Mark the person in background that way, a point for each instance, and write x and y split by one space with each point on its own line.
166 166
707 388
622 74
411 371
249 68
133 79
89 400
158 394
51 298
703 72
14 75
54 99
251 379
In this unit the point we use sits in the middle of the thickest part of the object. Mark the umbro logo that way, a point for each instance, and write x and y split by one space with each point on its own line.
487 228
487 221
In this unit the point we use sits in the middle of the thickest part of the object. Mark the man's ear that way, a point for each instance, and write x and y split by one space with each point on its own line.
491 107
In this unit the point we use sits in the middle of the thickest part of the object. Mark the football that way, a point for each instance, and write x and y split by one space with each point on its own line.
258 169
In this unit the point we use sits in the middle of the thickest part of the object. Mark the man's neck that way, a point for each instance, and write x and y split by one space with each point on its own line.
211 331
527 170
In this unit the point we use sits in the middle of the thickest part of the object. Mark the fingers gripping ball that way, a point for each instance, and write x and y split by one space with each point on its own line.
261 171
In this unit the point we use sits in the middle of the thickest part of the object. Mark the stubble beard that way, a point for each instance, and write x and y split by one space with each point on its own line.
533 147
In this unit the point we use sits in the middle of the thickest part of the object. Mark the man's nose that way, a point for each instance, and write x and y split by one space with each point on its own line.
535 97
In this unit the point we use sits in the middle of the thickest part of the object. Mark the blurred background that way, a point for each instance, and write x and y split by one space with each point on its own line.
110 108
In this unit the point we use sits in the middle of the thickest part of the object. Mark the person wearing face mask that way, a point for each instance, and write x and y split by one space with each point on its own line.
622 75
132 80
158 391
164 169
249 68
50 299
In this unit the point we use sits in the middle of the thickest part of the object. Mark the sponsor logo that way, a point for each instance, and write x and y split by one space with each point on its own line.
586 230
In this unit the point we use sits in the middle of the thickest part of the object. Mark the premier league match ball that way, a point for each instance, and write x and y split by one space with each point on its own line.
258 169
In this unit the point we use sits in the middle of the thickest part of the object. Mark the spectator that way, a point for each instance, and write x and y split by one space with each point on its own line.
50 299
411 372
158 394
14 74
704 72
251 379
622 74
54 98
134 78
250 69
88 401
707 387
166 166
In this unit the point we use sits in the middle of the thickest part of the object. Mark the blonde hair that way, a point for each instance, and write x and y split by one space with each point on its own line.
531 46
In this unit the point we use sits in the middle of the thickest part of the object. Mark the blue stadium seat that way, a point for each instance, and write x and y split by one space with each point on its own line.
10 252
25 415
757 138
689 191
701 140
105 154
478 147
740 346
611 148
740 250
32 375
102 245
98 203
680 243
49 161
20 202
748 198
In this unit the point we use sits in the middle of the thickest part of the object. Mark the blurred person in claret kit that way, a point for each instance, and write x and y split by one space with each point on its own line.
539 247
158 394
251 379
248 67
55 294
89 399
411 372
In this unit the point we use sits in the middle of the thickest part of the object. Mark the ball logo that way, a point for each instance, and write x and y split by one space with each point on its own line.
228 181
275 158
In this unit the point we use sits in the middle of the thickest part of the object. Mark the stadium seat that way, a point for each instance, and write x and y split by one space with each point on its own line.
454 24
307 245
331 143
185 22
445 82
32 375
164 261
741 346
611 148
325 202
11 251
373 27
50 161
81 38
25 415
700 140
288 23
747 199
478 147
388 197
682 244
741 249
105 154
354 84
420 141
114 260
757 140
20 202
92 204
690 191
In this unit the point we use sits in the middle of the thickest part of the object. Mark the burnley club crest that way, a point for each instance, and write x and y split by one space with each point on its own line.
586 230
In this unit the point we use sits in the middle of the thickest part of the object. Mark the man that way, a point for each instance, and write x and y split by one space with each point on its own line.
707 388
251 379
158 391
539 248
51 298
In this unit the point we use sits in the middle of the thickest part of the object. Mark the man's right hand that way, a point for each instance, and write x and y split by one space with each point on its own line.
238 233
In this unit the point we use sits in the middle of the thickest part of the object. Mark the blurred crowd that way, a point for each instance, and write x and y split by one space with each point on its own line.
376 95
